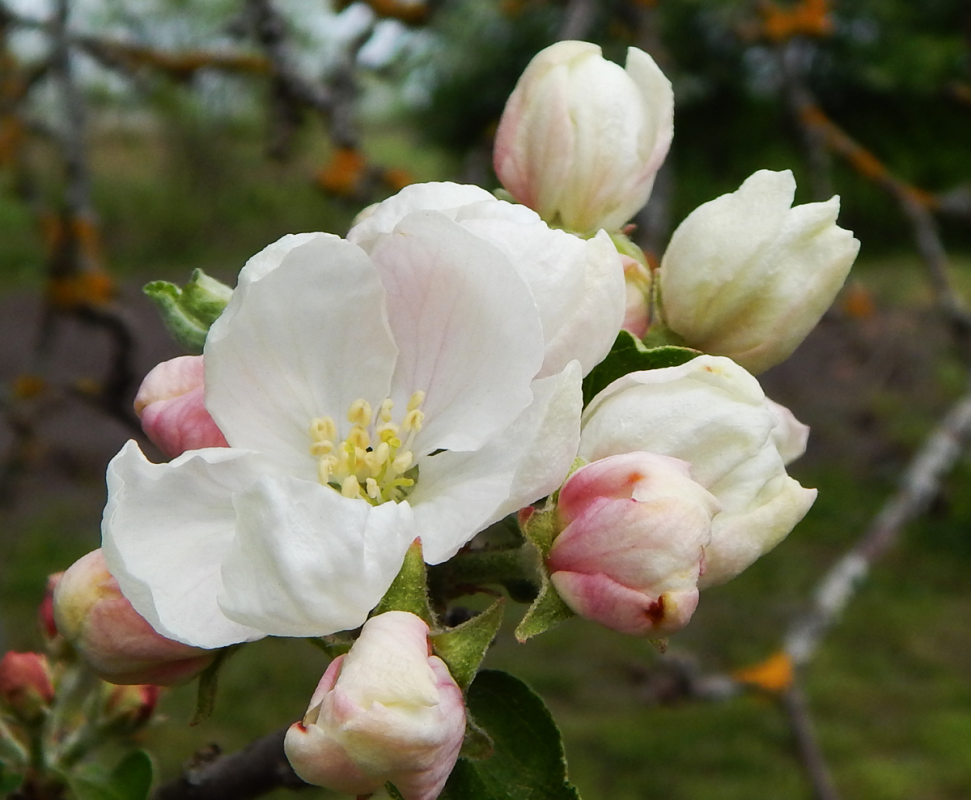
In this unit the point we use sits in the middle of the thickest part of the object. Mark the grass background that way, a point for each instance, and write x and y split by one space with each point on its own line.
889 689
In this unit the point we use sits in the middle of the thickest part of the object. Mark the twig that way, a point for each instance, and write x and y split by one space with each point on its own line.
918 488
258 768
797 711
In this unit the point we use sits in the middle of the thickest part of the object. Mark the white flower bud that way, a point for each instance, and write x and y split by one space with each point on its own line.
748 276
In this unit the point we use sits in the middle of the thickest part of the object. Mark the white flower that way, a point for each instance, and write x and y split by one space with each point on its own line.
711 413
748 276
578 284
367 399
581 138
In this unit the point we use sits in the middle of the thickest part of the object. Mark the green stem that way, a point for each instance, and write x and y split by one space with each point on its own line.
508 568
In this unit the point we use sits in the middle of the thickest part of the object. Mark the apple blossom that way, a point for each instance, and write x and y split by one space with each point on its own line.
120 646
578 284
171 406
386 711
631 552
581 138
367 399
748 276
713 414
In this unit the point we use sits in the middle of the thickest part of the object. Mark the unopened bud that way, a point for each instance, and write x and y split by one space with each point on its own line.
581 138
189 312
171 406
387 711
130 707
632 548
26 688
118 644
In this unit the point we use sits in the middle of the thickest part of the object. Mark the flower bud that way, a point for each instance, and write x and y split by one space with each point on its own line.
632 549
130 707
118 644
387 711
711 413
25 684
748 276
45 612
171 406
581 139
637 311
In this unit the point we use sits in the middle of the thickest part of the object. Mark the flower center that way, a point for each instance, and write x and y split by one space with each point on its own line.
375 461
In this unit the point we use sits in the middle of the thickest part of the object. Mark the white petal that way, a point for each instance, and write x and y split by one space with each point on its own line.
165 532
304 341
307 561
459 494
467 330
382 218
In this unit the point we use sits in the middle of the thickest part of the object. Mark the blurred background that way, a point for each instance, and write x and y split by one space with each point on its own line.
141 139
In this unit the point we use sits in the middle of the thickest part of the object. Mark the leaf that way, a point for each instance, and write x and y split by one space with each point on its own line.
629 355
189 312
9 781
548 610
409 590
528 762
462 648
132 778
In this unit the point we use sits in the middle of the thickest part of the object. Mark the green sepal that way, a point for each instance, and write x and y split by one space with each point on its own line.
409 590
463 647
629 354
477 744
546 611
540 527
189 312
528 762
626 247
392 791
209 685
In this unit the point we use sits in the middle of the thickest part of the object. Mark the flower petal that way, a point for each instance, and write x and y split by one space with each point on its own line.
304 341
459 494
467 329
307 561
381 218
165 532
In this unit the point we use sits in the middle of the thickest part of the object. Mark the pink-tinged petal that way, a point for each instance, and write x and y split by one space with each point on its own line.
459 494
310 339
602 600
307 561
467 330
181 424
381 218
170 379
165 532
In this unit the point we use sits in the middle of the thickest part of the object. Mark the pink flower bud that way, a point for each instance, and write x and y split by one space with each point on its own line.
171 406
118 644
25 684
637 311
387 711
130 707
633 546
45 611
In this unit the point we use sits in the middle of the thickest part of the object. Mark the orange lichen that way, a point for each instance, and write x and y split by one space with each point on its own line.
94 288
27 386
344 174
397 179
858 301
805 18
775 674
410 12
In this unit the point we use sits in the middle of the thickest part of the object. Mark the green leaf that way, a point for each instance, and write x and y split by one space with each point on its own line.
9 781
409 590
132 778
463 647
548 610
188 312
528 762
208 685
629 355
393 792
